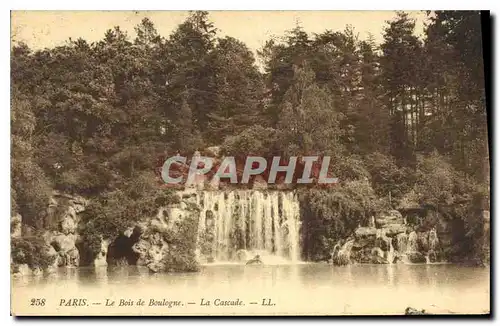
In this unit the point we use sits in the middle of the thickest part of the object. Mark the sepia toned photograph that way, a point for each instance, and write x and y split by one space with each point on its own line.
250 163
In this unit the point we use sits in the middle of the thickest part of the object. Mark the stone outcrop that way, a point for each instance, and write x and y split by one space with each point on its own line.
61 235
63 221
67 254
388 239
388 219
162 235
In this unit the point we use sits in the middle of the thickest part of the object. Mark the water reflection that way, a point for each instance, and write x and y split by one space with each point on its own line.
354 287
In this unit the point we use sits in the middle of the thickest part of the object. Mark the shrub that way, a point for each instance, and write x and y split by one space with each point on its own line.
32 251
387 177
456 194
181 256
349 168
115 211
31 190
329 215
255 140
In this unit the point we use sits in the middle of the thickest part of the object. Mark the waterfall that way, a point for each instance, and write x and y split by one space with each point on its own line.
402 240
412 242
432 254
249 221
407 245
390 252
343 254
433 239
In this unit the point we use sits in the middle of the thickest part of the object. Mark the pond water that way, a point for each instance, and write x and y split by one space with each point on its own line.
263 290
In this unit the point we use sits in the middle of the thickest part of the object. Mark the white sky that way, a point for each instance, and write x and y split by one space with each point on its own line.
41 29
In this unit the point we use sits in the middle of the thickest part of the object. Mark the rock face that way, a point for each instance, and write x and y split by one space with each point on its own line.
390 239
168 241
162 243
388 219
63 220
65 248
60 237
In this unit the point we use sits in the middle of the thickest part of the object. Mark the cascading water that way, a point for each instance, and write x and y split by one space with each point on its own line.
240 222
407 245
402 241
432 255
412 242
433 240
390 252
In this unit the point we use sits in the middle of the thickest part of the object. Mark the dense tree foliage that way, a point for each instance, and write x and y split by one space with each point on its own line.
405 120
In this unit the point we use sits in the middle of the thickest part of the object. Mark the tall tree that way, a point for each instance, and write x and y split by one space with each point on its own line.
400 70
309 123
239 87
189 72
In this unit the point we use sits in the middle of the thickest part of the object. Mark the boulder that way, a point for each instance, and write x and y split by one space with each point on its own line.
156 267
415 257
71 212
177 224
363 256
423 241
392 230
364 242
73 258
65 245
363 232
141 248
389 217
155 253
377 252
128 232
151 250
383 243
378 260
68 225
433 256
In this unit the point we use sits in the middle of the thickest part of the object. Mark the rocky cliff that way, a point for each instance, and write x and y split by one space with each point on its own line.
392 238
166 241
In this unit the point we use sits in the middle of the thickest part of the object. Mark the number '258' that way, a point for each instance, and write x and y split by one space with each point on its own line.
38 302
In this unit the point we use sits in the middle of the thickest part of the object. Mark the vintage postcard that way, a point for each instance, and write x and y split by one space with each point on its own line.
256 163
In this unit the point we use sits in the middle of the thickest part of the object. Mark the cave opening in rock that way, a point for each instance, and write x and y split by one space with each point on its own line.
120 251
